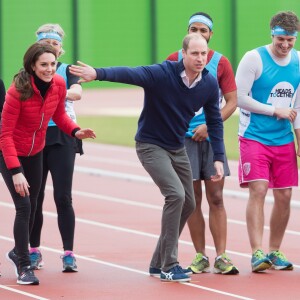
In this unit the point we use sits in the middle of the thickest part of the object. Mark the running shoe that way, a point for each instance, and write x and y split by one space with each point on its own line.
175 274
27 277
200 264
279 261
14 260
69 263
260 262
36 260
224 265
155 272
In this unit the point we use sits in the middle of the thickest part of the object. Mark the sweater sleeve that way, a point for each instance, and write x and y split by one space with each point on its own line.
225 75
143 76
10 115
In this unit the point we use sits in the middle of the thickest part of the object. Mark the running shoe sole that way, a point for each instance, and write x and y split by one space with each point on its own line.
194 271
262 267
232 271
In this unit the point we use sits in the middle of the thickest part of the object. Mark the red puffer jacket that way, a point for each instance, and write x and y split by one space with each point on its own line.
24 123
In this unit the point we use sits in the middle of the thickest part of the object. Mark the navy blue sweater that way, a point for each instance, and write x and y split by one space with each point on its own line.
169 104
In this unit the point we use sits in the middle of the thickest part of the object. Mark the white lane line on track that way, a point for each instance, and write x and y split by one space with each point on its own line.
131 231
145 179
32 296
98 261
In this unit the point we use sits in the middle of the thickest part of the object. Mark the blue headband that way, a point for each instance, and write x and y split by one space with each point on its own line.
48 35
201 19
277 30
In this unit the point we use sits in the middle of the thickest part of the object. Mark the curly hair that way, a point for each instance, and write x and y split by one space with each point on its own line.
288 20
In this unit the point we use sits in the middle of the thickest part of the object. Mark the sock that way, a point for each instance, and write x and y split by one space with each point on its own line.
34 250
68 252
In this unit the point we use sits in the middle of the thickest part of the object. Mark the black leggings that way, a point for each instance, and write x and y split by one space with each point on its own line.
59 160
25 206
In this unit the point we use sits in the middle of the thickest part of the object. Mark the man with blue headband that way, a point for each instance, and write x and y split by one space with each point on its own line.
200 153
268 79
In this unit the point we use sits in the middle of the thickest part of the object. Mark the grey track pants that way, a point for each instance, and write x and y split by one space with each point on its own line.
171 172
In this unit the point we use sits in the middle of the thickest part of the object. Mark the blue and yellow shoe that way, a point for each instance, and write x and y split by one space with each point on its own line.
279 261
260 262
223 265
200 264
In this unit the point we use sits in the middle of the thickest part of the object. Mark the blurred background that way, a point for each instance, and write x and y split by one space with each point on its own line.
132 32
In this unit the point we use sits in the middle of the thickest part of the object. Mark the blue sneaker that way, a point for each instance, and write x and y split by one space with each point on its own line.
36 260
175 274
155 272
279 261
260 262
69 263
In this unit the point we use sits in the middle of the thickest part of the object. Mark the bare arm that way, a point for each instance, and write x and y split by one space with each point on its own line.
74 93
230 105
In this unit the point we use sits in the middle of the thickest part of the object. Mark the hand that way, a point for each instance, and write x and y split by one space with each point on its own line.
86 72
219 171
200 133
21 184
85 133
285 113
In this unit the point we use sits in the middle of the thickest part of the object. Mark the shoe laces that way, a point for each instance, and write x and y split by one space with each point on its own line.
178 269
279 254
225 258
68 258
28 270
259 254
198 258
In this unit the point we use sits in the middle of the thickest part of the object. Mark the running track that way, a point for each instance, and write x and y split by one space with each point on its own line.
118 211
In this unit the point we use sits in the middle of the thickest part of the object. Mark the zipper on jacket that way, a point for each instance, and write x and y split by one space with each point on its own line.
34 134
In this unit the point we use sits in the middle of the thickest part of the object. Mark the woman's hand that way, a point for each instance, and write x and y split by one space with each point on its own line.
21 184
85 133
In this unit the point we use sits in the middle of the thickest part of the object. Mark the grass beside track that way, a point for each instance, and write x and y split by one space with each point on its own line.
118 130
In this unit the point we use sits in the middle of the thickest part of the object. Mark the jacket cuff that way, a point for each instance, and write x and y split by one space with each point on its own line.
74 131
100 74
15 171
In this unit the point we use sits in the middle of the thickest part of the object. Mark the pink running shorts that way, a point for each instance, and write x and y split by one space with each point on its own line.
275 164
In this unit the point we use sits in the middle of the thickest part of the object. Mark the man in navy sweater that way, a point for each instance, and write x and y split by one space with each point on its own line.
173 93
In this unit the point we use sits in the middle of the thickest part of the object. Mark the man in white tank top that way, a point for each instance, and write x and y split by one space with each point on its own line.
267 80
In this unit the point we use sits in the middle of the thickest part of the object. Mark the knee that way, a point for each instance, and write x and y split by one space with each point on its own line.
63 200
215 200
176 196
